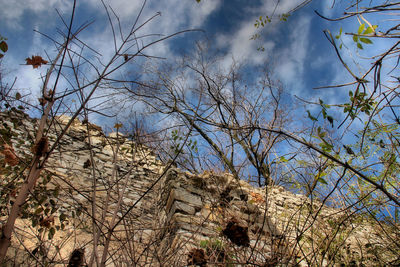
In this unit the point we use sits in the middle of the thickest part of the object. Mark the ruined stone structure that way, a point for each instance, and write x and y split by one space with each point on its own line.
162 216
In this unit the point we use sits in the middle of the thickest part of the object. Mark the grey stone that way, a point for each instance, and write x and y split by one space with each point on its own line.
182 207
184 196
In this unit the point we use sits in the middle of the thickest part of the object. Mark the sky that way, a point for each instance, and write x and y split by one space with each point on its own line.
298 45
296 51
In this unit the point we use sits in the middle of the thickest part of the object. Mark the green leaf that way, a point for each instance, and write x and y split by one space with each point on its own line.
369 30
349 150
255 36
355 38
365 40
204 243
322 180
324 114
330 119
361 28
381 144
326 147
359 45
311 117
3 46
302 162
283 159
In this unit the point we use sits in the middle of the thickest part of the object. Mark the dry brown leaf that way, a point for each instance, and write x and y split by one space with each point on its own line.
36 61
42 101
126 57
41 147
9 154
257 197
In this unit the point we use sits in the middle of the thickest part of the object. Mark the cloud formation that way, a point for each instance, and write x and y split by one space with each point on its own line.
13 12
290 60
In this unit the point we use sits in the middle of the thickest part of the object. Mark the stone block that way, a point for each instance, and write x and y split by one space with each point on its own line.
184 196
182 207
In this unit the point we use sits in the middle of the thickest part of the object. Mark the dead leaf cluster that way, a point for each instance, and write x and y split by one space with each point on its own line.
36 61
9 155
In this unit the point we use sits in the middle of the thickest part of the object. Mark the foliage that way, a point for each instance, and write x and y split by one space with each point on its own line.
43 203
216 251
178 140
3 46
263 21
221 121
35 61
31 193
371 105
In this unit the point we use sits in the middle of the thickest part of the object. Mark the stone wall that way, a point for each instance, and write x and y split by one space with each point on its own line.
174 218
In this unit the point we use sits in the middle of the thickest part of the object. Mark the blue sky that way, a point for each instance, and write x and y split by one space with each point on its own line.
296 51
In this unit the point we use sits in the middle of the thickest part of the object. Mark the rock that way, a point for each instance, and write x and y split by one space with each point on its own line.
171 214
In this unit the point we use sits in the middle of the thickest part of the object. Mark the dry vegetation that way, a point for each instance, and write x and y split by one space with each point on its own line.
72 195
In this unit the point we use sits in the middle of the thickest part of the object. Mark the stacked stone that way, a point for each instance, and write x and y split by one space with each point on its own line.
174 218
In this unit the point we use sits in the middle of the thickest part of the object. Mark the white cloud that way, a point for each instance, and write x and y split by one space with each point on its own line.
327 9
199 13
27 77
123 8
176 15
282 6
290 59
241 48
11 12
